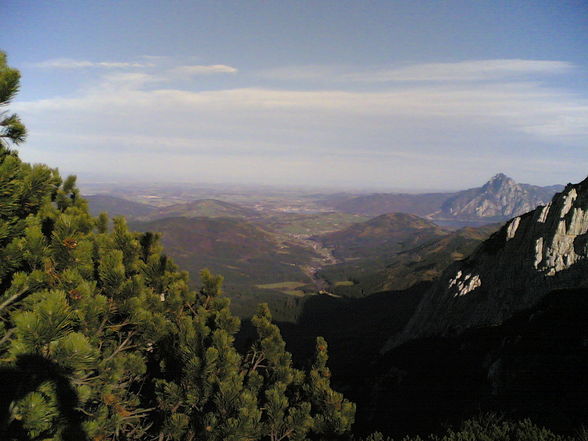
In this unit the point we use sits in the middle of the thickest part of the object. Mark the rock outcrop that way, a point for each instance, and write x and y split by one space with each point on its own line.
500 198
533 254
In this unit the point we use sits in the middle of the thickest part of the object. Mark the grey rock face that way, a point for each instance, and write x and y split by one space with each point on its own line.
533 254
500 197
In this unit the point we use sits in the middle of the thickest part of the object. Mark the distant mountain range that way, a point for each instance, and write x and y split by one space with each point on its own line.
211 208
498 200
115 206
382 203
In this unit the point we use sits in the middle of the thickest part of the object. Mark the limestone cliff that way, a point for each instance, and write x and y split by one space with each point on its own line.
500 198
533 254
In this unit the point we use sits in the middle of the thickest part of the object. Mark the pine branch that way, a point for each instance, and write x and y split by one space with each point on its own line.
7 336
121 347
286 434
13 298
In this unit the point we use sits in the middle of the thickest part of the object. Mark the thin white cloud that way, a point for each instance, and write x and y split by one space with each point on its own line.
304 73
127 80
155 69
463 71
200 69
155 58
67 63
481 70
428 112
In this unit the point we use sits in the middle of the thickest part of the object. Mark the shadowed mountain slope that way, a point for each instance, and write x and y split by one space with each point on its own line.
426 262
531 366
422 263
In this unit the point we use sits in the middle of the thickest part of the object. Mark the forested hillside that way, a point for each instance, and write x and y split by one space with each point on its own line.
252 261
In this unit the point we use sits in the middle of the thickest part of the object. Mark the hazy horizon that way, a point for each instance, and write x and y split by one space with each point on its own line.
90 185
385 95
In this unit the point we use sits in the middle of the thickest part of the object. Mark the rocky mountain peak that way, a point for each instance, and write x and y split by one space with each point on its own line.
499 199
533 254
499 182
500 177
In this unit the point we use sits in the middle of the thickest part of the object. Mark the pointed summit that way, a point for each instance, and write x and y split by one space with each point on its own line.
498 199
499 180
499 177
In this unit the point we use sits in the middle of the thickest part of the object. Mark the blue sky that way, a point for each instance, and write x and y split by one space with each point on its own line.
380 94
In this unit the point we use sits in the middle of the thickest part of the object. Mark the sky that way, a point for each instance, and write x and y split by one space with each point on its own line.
393 95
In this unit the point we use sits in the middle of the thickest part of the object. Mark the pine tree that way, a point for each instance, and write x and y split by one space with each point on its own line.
297 404
11 128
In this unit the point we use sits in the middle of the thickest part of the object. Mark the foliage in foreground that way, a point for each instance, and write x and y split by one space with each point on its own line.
489 427
101 337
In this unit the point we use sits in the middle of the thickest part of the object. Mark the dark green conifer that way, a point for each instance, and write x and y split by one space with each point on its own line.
12 130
